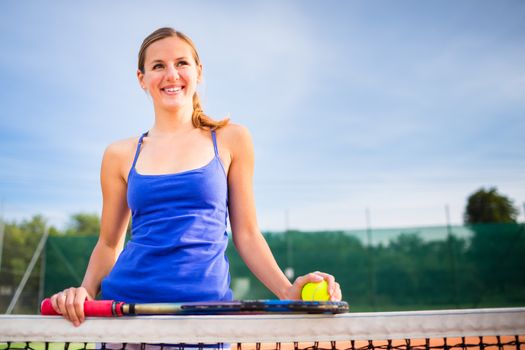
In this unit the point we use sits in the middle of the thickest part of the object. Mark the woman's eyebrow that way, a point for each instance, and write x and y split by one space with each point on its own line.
156 61
162 61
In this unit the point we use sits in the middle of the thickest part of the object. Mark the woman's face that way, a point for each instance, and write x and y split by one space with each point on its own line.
170 73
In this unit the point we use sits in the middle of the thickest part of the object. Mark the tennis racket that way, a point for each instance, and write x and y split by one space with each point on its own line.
111 308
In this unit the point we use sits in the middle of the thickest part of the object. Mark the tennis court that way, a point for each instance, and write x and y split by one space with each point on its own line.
502 328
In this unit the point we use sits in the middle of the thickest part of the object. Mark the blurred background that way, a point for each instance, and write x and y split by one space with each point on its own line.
376 126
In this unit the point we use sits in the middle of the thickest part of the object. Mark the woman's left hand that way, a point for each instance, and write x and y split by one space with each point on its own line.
334 290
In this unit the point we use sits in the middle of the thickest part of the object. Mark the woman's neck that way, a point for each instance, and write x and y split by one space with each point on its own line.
170 122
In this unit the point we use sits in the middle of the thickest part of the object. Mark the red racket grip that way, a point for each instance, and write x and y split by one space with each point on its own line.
100 308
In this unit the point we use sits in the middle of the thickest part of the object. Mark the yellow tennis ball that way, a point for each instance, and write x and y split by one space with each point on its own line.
315 291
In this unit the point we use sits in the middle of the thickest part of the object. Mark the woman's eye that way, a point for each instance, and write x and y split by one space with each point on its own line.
182 63
157 66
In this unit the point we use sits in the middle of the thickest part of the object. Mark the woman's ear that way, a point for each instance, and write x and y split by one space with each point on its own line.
199 73
140 77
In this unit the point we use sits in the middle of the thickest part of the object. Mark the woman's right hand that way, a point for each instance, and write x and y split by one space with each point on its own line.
70 303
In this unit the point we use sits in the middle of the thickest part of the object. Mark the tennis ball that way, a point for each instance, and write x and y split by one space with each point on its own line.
315 291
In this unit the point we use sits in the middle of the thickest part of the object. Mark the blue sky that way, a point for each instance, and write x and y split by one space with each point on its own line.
401 107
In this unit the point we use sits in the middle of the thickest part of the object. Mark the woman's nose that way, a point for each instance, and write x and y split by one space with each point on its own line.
172 73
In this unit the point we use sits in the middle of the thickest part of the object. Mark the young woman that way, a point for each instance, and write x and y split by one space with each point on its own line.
178 182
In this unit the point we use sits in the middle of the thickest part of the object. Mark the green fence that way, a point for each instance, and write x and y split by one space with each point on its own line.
410 269
387 269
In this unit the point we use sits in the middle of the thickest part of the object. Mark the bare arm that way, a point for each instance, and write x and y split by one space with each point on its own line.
114 221
248 240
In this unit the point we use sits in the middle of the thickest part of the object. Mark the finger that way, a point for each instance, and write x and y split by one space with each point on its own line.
80 298
301 280
61 304
324 275
330 280
54 303
332 285
70 306
336 296
313 277
339 296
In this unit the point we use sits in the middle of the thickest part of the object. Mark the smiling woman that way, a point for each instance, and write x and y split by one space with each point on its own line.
188 63
178 182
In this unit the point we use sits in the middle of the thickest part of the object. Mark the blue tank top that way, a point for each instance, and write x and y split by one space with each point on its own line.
178 237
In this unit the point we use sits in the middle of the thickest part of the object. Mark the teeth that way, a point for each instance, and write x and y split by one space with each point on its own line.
174 89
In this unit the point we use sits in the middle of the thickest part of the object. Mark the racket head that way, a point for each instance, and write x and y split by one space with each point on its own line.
265 306
298 306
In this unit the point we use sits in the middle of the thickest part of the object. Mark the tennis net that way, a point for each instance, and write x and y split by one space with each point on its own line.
444 329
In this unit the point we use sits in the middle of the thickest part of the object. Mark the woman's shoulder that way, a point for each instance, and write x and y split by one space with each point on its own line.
122 146
122 149
234 133
236 140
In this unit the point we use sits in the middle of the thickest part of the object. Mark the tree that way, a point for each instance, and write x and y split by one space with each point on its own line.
496 247
488 206
83 224
20 242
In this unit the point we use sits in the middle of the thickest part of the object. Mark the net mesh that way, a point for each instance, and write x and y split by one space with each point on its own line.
449 329
497 342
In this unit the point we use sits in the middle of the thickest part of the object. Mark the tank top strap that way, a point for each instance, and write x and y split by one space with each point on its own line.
139 145
214 137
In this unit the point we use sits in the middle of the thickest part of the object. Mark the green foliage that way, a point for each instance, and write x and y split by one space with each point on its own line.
19 244
410 271
488 206
497 246
83 224
478 265
334 251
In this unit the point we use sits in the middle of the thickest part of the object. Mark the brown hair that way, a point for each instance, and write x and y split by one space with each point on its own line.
198 118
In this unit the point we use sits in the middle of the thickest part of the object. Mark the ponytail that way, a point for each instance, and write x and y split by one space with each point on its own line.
201 120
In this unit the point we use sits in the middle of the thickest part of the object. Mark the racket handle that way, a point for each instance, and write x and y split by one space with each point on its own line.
100 308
